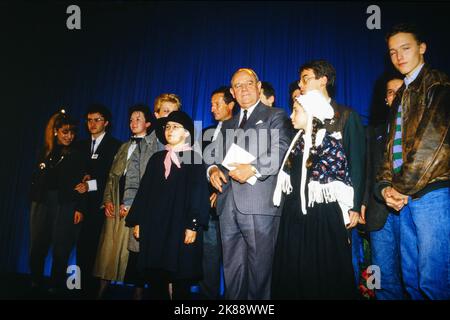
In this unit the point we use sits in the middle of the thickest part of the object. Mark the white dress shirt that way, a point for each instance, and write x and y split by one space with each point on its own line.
241 115
92 184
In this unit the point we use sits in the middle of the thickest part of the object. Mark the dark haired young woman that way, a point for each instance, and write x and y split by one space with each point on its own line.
313 254
56 208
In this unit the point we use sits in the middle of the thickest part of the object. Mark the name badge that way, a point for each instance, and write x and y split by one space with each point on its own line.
94 156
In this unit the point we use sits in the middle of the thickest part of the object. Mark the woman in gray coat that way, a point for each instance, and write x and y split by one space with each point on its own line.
112 254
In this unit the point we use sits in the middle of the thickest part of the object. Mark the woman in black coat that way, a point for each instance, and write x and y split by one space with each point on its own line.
170 210
56 208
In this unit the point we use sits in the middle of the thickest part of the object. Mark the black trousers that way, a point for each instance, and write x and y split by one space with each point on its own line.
51 225
132 274
87 249
159 285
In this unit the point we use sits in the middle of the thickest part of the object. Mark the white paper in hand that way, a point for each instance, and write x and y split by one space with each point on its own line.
238 155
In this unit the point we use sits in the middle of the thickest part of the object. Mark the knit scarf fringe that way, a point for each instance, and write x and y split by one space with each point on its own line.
332 192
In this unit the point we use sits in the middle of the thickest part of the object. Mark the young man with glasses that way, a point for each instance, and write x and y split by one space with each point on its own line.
99 151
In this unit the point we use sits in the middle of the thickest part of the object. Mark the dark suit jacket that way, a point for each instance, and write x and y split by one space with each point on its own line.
268 130
99 168
376 210
204 144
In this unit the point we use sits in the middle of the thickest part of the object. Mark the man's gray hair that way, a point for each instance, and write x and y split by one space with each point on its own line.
248 70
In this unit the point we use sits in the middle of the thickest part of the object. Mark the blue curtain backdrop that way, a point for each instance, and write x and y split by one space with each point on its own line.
128 52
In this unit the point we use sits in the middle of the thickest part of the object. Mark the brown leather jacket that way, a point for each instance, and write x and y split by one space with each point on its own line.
425 134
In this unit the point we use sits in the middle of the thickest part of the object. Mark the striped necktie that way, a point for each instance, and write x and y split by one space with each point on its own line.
397 146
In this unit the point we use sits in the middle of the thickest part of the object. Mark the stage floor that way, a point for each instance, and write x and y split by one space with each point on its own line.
15 286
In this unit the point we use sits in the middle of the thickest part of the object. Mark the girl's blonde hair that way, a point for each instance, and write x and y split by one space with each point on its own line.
166 97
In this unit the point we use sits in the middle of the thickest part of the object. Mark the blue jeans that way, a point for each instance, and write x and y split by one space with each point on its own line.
424 245
357 254
385 247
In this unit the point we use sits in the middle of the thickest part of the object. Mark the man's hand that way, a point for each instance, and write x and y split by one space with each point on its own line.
86 178
123 211
109 210
354 217
77 217
82 187
216 178
241 172
362 218
213 199
393 198
189 236
136 231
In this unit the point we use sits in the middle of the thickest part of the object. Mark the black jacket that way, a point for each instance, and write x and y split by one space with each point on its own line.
164 208
204 144
376 210
99 168
348 122
69 168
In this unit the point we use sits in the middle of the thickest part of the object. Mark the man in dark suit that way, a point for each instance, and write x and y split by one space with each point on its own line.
347 127
222 104
99 151
248 219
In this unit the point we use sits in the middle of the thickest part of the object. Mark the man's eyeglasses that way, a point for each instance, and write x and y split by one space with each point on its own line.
96 120
305 80
172 127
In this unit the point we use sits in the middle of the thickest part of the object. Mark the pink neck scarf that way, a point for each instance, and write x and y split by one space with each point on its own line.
172 157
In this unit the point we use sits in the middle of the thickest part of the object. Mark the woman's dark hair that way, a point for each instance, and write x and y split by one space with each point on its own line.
140 107
292 87
317 124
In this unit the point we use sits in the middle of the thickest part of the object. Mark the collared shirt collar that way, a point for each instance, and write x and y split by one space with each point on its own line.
217 130
98 140
249 111
413 77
